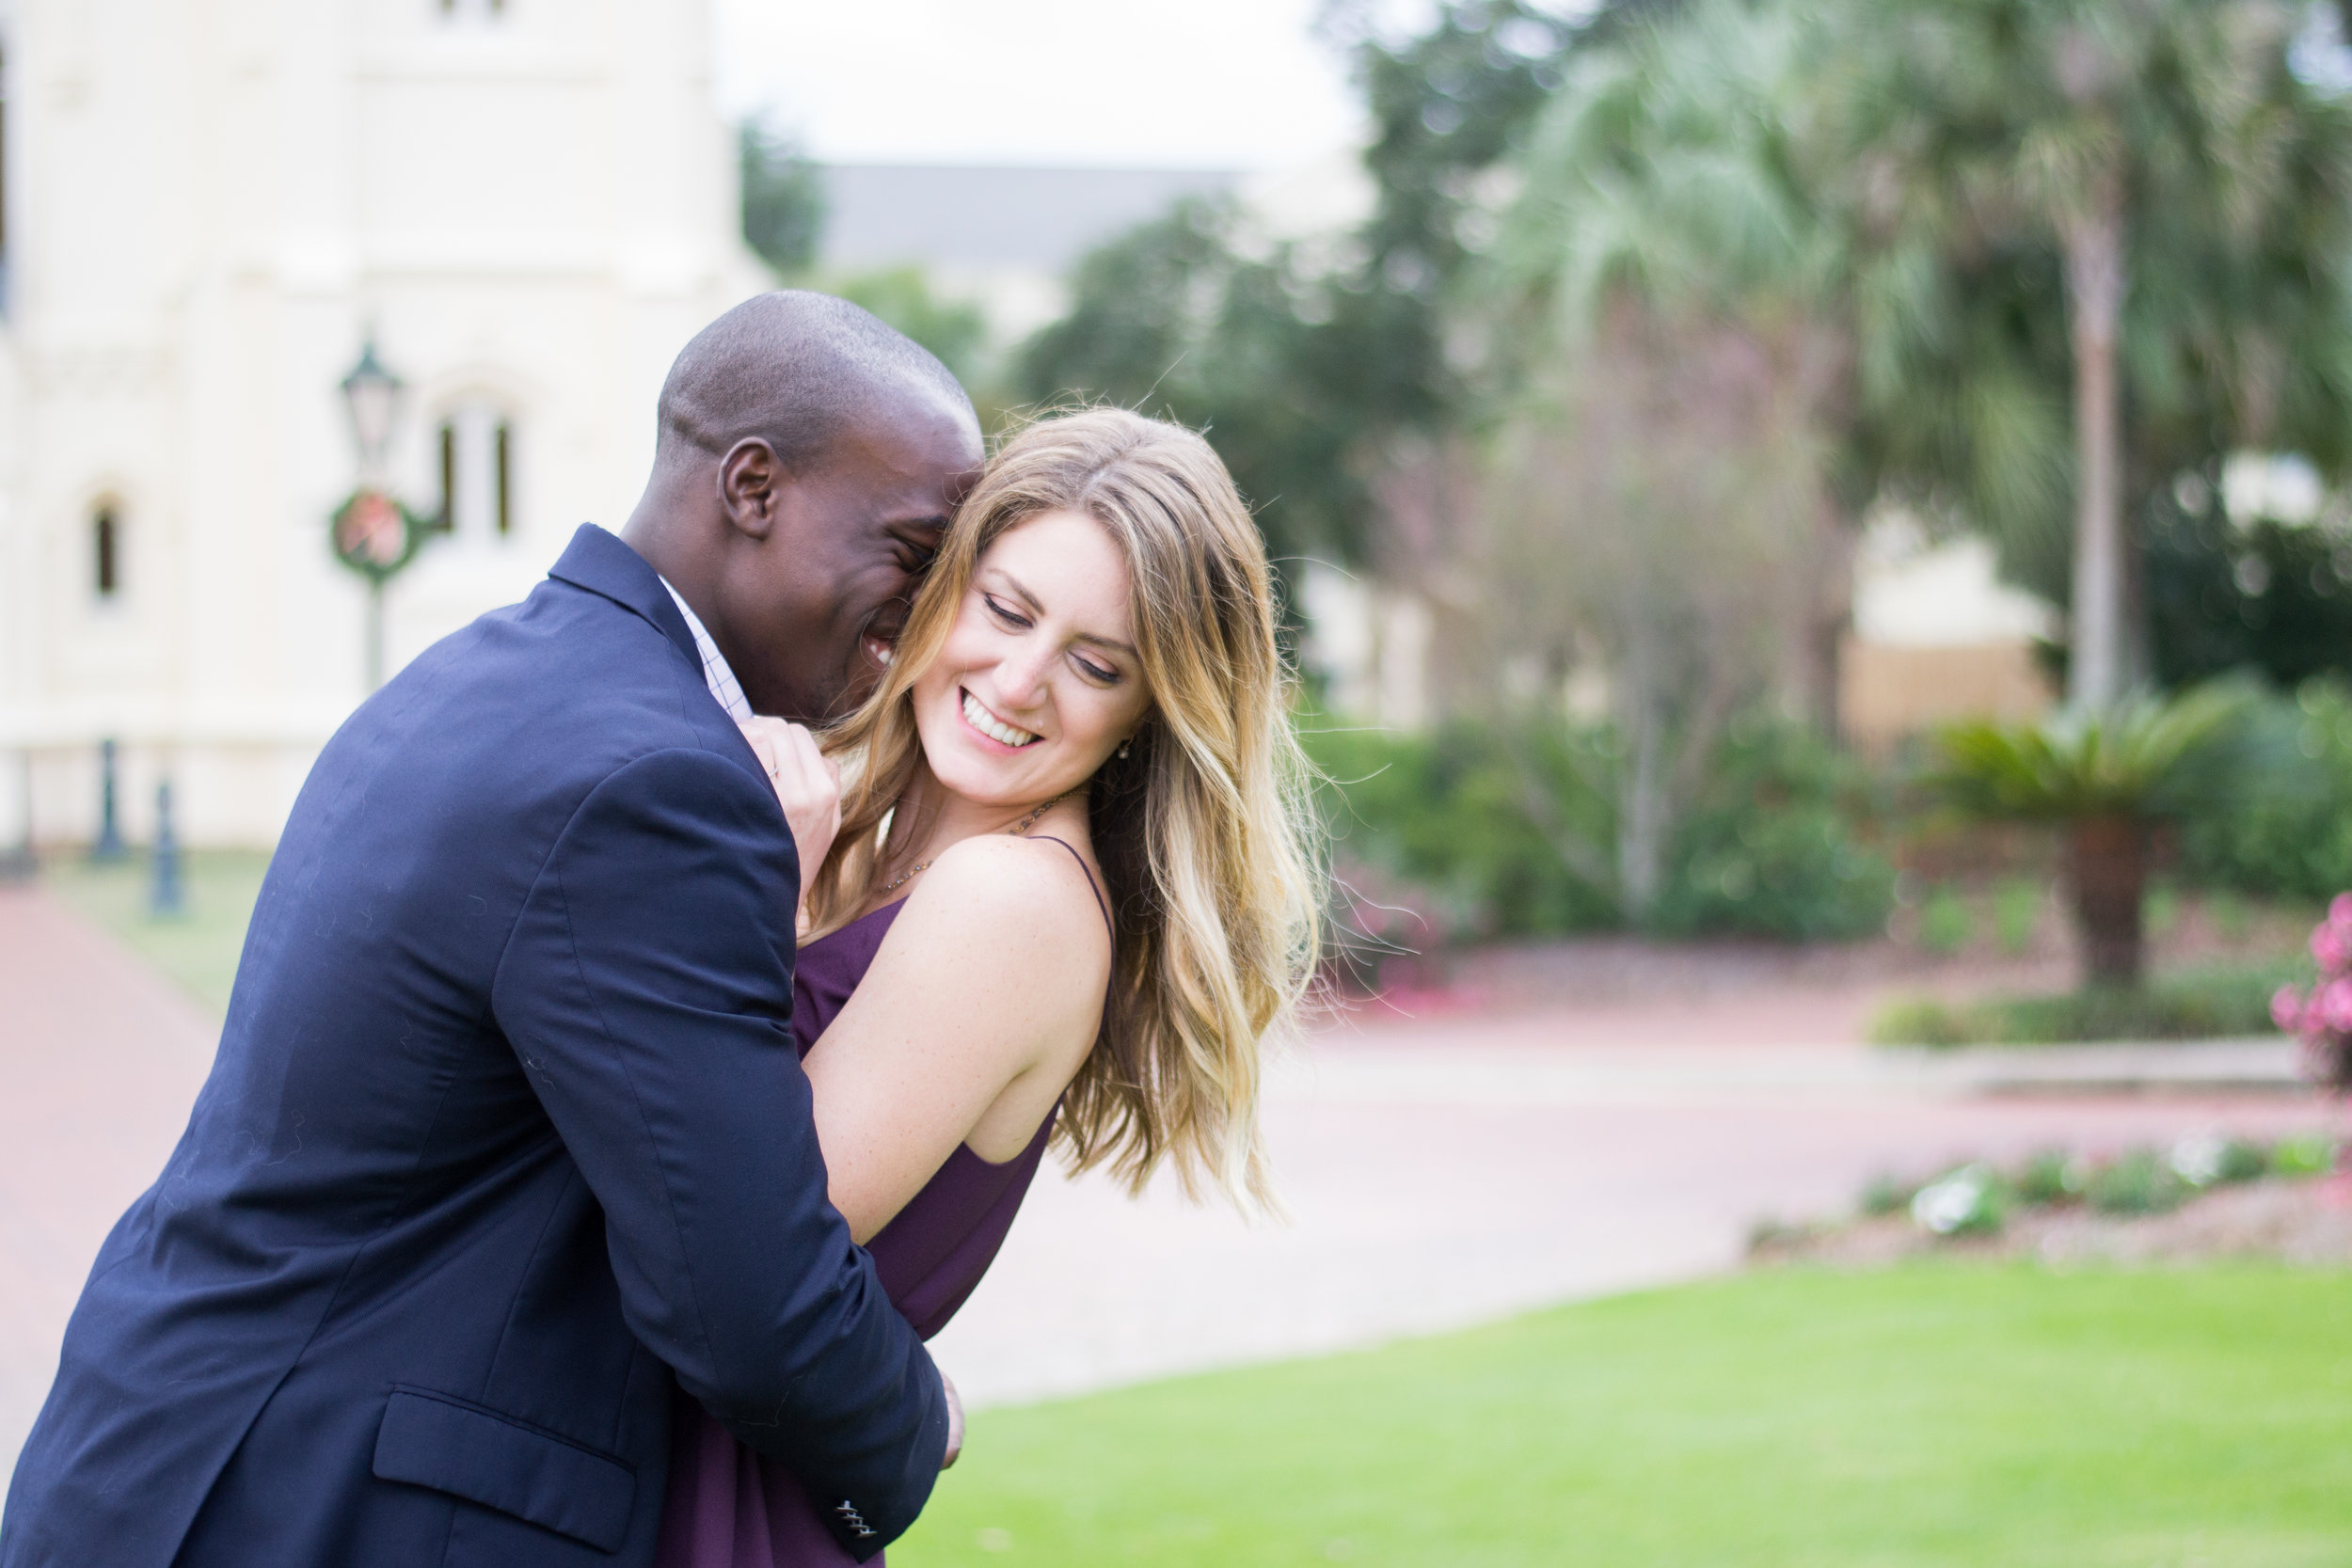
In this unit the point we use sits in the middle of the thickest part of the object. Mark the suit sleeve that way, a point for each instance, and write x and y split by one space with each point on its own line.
647 996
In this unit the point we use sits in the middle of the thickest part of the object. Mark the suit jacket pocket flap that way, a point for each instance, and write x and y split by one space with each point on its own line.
433 1440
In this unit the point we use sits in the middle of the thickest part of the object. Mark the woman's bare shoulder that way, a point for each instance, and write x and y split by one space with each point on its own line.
1012 890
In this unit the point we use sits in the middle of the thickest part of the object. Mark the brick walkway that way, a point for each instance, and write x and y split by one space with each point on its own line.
1439 1171
101 1058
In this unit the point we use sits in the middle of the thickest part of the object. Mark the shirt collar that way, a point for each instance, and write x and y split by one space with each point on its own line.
721 679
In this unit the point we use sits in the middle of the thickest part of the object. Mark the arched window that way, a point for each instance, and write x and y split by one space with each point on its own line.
105 538
477 452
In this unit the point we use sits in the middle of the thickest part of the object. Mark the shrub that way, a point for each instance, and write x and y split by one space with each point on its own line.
1944 923
1886 1196
2016 914
2043 1180
1773 846
1924 1021
1445 811
1511 831
2281 818
2137 1182
2210 1160
2214 1003
2310 1155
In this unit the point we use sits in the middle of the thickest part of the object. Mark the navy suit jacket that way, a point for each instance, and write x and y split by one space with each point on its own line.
506 1142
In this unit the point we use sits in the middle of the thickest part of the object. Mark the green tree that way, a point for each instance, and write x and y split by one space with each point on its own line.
954 329
1177 319
784 197
1306 371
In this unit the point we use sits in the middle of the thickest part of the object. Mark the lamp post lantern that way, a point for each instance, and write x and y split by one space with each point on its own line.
371 397
372 532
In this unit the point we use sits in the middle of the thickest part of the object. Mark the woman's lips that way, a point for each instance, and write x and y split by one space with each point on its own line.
982 720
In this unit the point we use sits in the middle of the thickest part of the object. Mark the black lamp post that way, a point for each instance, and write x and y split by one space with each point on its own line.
373 533
109 845
20 863
166 897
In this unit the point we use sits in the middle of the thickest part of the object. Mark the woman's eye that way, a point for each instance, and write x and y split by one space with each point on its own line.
1097 671
1003 612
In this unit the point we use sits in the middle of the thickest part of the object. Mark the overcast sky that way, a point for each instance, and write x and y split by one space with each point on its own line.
1216 83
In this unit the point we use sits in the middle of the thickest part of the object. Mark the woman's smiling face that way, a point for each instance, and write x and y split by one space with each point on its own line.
1037 682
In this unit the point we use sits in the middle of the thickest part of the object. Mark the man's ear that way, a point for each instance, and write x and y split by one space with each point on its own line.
750 484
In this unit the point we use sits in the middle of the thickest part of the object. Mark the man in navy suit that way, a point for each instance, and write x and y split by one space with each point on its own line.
506 1143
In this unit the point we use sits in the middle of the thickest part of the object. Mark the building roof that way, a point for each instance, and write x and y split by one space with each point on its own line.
884 215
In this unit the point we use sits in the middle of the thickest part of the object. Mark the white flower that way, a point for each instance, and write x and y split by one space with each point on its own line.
2198 1158
1945 1204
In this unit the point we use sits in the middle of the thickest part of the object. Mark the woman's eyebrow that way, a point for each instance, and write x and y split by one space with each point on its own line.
1020 590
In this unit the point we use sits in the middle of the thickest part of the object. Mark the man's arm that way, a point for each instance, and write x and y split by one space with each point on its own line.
644 992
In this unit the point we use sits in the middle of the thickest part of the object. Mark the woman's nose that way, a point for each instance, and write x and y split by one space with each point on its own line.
1021 677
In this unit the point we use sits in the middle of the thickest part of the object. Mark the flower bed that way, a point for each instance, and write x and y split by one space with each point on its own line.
2205 1195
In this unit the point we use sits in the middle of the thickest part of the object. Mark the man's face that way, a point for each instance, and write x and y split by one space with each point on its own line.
815 606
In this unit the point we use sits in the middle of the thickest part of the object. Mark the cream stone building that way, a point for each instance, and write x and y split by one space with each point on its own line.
529 206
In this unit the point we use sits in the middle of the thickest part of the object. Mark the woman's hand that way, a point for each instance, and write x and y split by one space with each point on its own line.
807 785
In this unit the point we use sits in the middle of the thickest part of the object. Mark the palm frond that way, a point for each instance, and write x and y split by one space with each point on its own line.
2122 761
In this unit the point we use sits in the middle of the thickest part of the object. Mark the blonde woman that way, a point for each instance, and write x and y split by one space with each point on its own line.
1068 900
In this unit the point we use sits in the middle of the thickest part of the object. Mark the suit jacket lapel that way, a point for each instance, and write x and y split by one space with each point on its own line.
603 564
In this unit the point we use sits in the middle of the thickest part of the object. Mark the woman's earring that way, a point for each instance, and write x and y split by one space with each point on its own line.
1126 746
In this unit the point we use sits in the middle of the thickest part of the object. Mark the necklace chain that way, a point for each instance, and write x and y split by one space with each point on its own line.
1019 829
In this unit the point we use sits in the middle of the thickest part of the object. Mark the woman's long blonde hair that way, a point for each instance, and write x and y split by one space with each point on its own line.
1202 828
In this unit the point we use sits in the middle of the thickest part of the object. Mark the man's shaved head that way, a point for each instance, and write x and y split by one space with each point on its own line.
799 371
809 461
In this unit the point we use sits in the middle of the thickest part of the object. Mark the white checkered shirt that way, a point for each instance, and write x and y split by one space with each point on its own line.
724 685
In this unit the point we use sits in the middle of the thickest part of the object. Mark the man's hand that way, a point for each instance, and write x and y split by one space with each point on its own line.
807 785
954 1424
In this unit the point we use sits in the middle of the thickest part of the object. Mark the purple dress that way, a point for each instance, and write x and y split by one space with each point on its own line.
727 1506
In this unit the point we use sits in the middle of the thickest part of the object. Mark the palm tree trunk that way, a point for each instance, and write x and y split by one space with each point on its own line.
2095 291
1824 615
2107 861
1644 814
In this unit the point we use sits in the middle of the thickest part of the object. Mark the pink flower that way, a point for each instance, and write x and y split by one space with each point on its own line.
2286 1009
2334 1006
2340 912
2331 948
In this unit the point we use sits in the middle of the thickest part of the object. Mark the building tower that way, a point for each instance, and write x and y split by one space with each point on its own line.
205 211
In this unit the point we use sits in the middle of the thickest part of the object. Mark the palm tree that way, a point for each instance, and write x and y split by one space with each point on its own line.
2103 775
2193 192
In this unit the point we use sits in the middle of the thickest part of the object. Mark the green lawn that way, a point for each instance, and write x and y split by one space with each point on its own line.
198 951
1943 1414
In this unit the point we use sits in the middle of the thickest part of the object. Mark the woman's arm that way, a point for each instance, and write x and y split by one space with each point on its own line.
979 1008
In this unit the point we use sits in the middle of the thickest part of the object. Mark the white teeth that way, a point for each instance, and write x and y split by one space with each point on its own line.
985 721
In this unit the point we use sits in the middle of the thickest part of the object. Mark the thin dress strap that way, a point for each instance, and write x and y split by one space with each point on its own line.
1093 886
